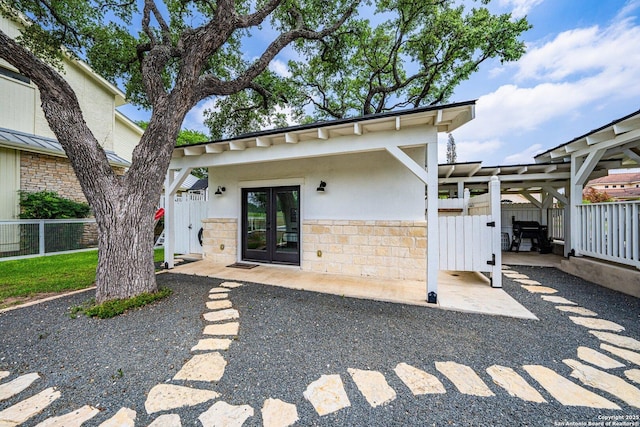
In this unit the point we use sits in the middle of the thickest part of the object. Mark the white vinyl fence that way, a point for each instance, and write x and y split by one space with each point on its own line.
37 237
190 210
610 231
472 242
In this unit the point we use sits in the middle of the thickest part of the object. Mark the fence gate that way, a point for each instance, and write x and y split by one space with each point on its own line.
188 222
471 241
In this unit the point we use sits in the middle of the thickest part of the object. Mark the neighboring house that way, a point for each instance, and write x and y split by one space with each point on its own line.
619 186
30 157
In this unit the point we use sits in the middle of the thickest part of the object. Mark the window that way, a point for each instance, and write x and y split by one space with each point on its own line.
13 75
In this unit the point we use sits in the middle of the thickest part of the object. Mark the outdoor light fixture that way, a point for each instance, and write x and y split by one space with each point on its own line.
220 190
321 187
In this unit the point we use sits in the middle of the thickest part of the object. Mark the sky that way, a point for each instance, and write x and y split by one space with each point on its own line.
581 71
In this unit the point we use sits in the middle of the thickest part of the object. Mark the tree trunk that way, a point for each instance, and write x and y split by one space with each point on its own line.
125 250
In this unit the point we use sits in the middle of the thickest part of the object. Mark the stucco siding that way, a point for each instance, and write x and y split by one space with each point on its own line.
362 186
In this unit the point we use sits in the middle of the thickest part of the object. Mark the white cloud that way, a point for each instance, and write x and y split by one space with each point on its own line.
590 51
280 68
577 68
525 156
520 7
195 118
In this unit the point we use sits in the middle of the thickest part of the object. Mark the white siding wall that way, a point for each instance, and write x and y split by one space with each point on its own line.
17 105
10 179
364 186
97 106
125 138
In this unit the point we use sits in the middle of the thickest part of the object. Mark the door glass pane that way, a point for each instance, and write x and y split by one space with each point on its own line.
256 220
287 217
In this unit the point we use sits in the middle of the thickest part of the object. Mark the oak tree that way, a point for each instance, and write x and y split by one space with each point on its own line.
169 56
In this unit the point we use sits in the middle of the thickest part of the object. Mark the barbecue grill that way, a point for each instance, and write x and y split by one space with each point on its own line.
530 230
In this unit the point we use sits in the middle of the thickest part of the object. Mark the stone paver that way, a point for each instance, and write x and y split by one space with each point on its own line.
557 300
125 417
596 358
618 340
528 282
211 344
219 316
203 367
600 324
514 275
165 397
604 381
464 378
218 290
514 384
633 375
230 285
565 391
4 374
222 414
373 386
25 409
540 289
276 413
223 329
327 394
167 420
419 381
628 355
218 305
17 385
218 296
575 309
72 419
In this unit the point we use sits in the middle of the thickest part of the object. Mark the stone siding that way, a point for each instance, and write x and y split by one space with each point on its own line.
220 240
383 249
40 172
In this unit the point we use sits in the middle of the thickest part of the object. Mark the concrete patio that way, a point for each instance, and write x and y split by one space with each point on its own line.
459 291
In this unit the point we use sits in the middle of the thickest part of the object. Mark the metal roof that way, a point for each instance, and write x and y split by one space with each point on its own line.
39 144
445 117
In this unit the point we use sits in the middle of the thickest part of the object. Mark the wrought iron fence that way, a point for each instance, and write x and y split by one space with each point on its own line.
37 237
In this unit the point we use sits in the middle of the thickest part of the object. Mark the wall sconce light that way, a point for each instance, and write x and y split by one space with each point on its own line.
220 190
321 187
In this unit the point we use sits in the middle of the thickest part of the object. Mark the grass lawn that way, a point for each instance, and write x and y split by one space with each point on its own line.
26 278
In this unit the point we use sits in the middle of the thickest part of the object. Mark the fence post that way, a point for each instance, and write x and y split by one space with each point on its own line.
41 247
494 194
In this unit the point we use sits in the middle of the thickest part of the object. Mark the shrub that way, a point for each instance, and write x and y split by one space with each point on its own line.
49 205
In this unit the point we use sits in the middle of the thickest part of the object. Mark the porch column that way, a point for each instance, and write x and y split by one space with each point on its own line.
171 185
433 229
582 164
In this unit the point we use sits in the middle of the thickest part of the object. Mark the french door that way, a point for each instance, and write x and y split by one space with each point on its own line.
271 225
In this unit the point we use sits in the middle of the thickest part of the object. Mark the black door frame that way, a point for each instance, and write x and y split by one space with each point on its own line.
270 254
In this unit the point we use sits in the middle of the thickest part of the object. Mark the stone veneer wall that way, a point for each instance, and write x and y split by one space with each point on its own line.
43 172
40 172
220 240
383 249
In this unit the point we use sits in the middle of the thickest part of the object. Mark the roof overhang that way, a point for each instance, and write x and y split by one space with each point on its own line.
38 144
444 118
620 139
513 178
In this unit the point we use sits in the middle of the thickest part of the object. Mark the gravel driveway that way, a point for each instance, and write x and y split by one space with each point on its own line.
288 339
